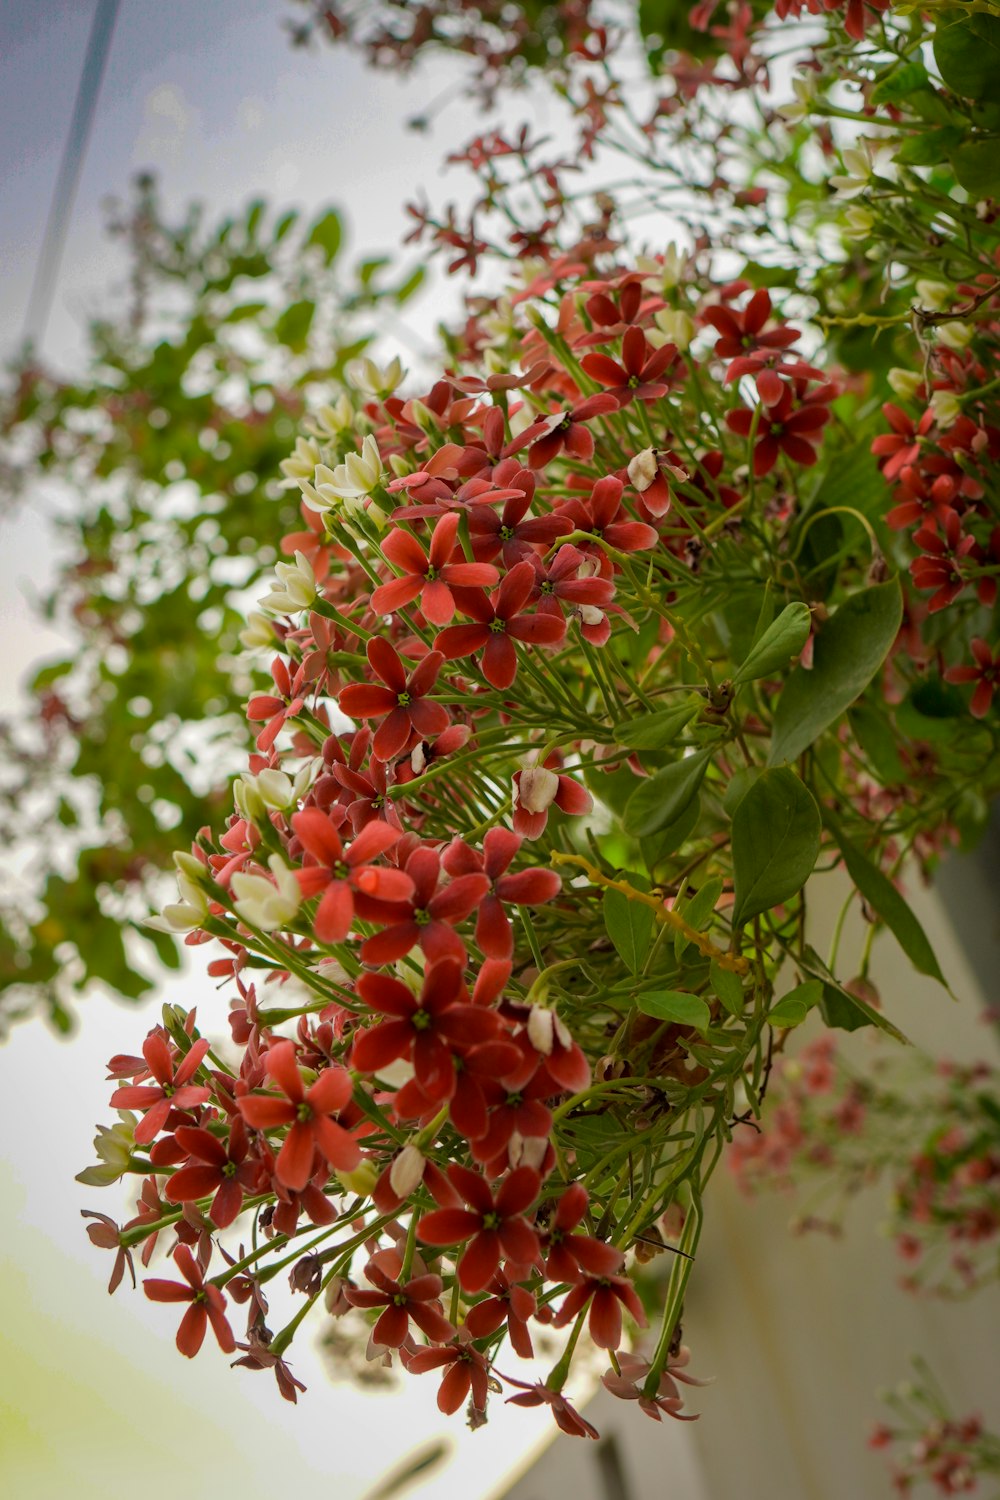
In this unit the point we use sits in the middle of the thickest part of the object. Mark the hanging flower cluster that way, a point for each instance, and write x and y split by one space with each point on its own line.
494 857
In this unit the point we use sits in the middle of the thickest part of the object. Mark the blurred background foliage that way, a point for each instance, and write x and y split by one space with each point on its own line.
158 465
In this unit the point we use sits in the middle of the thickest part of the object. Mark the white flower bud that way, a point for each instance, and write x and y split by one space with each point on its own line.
905 383
946 408
407 1172
536 789
675 325
954 335
258 633
356 477
540 1029
643 469
935 295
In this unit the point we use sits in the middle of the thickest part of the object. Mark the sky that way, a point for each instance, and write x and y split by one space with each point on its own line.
94 1398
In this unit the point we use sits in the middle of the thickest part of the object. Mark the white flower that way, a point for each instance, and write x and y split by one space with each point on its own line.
114 1146
675 326
264 903
935 295
367 376
355 477
536 789
905 383
258 633
861 166
296 587
331 421
255 795
858 222
946 408
187 914
954 335
301 463
803 103
664 272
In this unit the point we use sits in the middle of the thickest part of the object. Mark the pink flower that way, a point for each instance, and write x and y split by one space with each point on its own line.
536 789
985 674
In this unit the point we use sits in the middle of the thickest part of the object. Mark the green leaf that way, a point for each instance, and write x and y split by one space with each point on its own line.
698 912
776 832
841 1009
292 327
930 146
783 639
792 1009
668 840
899 83
326 232
675 1005
630 927
654 731
662 798
967 52
728 986
977 166
849 651
50 673
883 897
877 738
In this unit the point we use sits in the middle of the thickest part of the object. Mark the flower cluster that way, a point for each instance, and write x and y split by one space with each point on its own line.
475 1127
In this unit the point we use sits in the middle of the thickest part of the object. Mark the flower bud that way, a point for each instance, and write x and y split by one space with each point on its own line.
905 383
643 469
258 633
264 903
536 789
406 1172
946 408
361 1180
540 1029
296 587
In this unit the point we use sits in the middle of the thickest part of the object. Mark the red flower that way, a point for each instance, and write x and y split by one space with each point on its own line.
217 1166
603 514
986 674
428 918
940 566
427 1029
637 377
276 707
509 533
525 888
432 575
172 1090
308 1112
207 1305
416 1299
548 435
606 1295
466 1371
402 700
780 429
901 446
500 623
340 872
570 1254
508 1303
741 332
494 1226
567 1418
371 801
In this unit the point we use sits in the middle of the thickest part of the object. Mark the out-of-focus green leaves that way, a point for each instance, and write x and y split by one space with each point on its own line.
164 453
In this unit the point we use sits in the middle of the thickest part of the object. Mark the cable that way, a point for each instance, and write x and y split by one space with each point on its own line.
67 182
